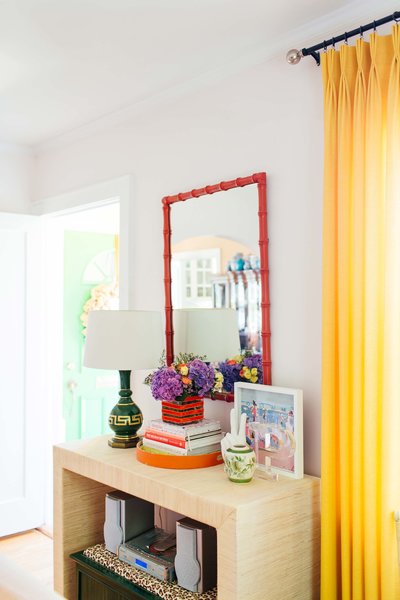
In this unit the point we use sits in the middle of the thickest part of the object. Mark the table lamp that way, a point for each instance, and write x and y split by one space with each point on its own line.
124 340
212 332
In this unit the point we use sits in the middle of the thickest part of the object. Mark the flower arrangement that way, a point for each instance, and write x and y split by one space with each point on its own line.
102 297
245 367
188 376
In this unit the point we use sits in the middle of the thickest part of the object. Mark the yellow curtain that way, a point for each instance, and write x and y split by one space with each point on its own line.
361 321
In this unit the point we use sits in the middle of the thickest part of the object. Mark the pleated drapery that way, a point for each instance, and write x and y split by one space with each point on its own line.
361 321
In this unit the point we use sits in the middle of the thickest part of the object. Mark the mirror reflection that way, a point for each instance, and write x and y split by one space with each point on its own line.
215 258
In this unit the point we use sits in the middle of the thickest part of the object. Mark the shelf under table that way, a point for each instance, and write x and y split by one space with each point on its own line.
267 531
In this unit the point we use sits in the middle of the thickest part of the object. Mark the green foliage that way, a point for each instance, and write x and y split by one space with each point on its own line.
183 358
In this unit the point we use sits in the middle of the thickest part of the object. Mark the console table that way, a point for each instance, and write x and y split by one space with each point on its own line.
268 533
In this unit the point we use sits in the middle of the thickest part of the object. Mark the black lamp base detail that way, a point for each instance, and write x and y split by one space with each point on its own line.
124 442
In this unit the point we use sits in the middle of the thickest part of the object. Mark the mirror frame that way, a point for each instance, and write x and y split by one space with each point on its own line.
259 179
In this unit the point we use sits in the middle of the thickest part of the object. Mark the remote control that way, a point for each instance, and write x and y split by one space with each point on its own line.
163 545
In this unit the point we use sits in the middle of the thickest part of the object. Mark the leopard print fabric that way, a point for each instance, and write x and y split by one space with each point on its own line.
164 589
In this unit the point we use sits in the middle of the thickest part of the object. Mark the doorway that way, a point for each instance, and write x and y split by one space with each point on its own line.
83 273
36 378
84 249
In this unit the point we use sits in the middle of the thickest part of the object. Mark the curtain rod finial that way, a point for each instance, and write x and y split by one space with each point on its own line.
294 56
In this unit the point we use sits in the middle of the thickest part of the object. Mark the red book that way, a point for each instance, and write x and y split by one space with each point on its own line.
165 438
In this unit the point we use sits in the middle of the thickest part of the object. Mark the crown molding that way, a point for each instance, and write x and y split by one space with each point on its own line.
13 148
333 23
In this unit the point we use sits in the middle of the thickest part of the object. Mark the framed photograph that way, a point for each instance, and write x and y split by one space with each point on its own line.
274 425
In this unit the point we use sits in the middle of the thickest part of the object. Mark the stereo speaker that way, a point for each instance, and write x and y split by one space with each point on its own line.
196 555
126 517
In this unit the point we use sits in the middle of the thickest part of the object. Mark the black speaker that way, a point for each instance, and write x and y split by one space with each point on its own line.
196 555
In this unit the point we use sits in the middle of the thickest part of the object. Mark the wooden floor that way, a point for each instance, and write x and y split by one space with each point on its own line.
33 551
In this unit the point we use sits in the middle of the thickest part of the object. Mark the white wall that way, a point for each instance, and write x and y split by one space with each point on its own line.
16 163
268 118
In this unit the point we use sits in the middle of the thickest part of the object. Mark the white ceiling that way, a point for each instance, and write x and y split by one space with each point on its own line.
66 63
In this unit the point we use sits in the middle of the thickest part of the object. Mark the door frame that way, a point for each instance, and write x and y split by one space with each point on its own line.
51 208
100 194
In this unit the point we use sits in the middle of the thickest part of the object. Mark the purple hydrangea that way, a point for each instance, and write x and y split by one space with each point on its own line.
231 373
254 361
166 385
202 376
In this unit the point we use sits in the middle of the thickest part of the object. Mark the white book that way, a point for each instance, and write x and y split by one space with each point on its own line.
190 443
204 441
180 451
204 426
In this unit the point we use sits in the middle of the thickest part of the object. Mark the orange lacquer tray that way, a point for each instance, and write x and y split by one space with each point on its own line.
165 461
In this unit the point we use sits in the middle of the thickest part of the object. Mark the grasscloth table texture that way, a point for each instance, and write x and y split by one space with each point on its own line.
268 533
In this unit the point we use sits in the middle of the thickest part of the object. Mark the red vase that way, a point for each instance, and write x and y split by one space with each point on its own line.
190 410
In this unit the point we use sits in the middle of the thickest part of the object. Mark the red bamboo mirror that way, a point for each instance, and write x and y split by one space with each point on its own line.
259 181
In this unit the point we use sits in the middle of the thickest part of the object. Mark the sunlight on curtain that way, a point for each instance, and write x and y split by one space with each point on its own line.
361 321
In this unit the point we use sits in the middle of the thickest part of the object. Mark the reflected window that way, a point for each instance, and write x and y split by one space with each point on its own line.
192 276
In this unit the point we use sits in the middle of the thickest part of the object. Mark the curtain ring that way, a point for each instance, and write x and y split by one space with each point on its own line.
361 32
325 46
395 18
374 26
333 43
345 38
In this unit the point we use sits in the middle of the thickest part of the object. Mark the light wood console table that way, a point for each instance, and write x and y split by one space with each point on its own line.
267 532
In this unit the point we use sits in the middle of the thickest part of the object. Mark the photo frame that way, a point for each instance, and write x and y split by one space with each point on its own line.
274 425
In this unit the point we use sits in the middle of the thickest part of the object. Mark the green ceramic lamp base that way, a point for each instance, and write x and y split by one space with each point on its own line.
126 417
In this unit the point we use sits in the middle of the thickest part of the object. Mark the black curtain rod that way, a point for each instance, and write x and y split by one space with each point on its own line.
294 56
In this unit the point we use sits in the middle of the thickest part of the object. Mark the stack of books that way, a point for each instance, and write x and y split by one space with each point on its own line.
183 440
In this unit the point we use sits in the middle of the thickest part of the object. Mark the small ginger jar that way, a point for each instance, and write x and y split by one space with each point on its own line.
240 463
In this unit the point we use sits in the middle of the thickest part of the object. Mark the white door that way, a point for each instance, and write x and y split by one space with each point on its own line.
22 404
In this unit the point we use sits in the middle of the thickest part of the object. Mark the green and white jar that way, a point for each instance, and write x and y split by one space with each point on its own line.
240 463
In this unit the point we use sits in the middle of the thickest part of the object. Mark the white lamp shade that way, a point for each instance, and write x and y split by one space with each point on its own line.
123 339
206 331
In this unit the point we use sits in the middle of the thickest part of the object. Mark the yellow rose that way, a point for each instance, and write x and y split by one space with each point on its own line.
254 371
254 379
237 358
247 374
184 370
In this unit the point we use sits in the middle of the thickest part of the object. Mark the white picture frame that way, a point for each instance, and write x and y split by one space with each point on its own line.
274 425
